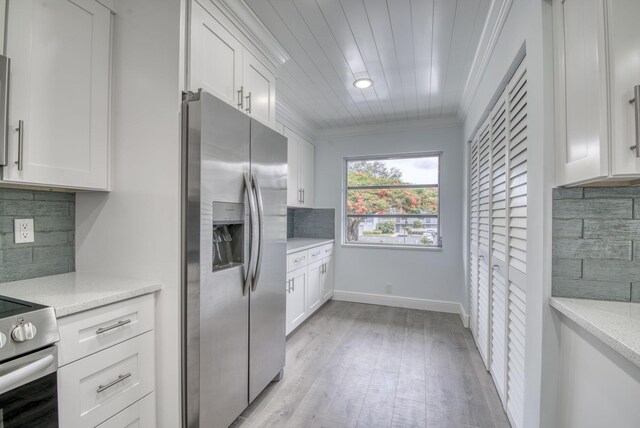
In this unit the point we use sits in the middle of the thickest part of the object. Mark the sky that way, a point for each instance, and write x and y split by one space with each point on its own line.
417 170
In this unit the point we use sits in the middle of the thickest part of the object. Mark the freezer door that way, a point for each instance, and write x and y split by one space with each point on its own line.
216 312
268 299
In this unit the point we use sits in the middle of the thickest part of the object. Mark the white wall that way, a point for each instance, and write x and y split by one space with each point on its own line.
134 231
597 386
529 22
417 274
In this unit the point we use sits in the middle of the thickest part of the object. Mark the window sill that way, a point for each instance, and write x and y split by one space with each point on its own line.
391 247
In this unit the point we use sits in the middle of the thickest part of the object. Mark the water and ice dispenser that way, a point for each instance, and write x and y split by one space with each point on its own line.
228 235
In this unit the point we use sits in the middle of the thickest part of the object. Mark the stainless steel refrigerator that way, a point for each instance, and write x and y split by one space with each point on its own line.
234 250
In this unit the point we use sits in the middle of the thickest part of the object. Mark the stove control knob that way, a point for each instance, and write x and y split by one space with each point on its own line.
23 332
3 339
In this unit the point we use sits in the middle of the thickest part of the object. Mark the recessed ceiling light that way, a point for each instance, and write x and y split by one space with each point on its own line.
363 83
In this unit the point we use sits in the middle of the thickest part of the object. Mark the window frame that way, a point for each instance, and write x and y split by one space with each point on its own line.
393 156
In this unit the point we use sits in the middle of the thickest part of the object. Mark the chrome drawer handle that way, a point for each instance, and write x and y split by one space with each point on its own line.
299 259
121 377
111 327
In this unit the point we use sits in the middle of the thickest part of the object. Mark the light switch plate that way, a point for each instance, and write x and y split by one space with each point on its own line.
23 230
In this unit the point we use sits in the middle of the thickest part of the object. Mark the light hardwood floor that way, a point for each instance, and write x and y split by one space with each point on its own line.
356 365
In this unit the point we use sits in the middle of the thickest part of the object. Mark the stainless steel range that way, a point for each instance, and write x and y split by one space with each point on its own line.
28 364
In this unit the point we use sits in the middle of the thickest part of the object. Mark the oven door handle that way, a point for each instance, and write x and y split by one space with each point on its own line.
25 372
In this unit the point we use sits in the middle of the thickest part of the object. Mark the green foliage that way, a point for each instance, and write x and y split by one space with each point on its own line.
417 224
386 227
426 240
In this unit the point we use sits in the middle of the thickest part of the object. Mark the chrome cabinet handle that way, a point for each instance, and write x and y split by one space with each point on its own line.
248 98
102 388
241 97
258 265
5 67
252 219
20 130
636 101
300 195
303 195
299 259
113 326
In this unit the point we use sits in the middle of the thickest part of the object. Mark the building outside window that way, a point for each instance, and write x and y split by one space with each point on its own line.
393 200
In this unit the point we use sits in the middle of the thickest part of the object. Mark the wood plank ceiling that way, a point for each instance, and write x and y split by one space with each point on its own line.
418 53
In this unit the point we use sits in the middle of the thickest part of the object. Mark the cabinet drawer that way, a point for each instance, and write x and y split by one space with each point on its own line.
296 260
97 387
327 250
140 414
88 332
315 254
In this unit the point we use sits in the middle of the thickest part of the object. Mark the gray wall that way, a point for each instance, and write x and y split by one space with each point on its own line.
311 223
596 243
414 273
54 224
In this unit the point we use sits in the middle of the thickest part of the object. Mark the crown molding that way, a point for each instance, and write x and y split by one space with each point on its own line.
390 127
238 12
498 12
294 121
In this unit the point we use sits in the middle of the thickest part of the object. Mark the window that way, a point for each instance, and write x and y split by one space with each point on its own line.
393 200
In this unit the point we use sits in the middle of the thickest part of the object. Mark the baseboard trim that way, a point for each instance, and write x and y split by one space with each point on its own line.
403 302
464 315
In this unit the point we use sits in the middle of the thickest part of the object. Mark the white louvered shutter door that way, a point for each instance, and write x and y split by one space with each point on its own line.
517 240
473 239
484 230
499 269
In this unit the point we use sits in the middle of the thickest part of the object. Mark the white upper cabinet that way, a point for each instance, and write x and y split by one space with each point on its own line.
300 179
216 58
595 43
59 93
624 54
221 65
260 93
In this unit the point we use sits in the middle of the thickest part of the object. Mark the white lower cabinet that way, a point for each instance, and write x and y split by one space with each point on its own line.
107 366
141 414
296 298
309 283
314 295
327 279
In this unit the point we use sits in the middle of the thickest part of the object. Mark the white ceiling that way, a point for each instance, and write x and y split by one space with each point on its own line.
418 53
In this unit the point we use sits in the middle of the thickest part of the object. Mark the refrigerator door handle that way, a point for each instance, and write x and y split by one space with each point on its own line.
252 219
258 264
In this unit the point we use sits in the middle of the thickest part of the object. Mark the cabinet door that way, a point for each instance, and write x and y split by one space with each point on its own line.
306 172
260 90
215 58
314 286
327 279
60 54
293 187
624 39
296 298
581 91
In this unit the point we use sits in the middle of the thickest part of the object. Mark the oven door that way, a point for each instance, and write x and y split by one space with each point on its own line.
29 390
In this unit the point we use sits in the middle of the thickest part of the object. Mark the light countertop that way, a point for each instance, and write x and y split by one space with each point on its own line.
74 292
615 323
299 244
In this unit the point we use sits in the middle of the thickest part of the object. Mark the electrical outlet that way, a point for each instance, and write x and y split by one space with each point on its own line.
23 230
388 288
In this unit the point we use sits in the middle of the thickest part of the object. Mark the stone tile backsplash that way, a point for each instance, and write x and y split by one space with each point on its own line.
53 251
596 243
311 223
